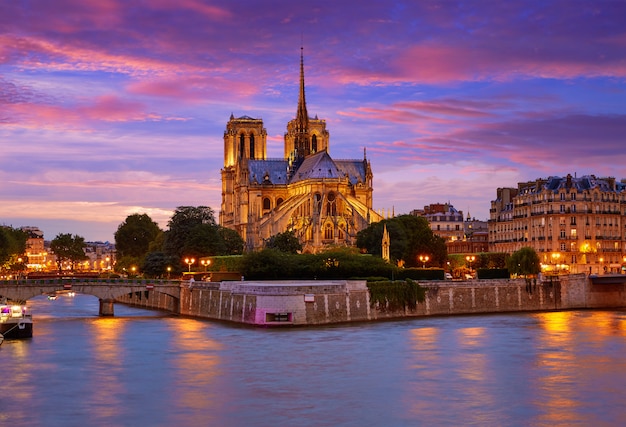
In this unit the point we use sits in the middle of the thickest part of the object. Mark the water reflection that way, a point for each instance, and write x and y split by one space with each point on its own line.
108 355
540 369
196 372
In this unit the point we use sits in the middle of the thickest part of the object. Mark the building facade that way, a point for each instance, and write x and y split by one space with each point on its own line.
322 200
445 221
576 225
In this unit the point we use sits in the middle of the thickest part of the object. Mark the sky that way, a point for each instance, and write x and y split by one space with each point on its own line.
115 107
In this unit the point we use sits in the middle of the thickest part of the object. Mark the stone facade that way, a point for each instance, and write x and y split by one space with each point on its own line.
576 225
327 302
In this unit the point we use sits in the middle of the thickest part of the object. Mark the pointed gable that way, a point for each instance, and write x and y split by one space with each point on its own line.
317 166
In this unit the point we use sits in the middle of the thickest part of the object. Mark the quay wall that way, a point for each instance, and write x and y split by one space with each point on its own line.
281 303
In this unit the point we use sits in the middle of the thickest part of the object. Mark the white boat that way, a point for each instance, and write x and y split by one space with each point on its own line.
15 321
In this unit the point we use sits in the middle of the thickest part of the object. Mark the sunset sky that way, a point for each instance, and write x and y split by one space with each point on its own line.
115 107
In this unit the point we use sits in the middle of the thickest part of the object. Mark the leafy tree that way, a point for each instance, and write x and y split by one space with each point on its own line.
68 248
233 243
526 263
193 232
284 242
156 263
410 236
134 236
12 245
182 226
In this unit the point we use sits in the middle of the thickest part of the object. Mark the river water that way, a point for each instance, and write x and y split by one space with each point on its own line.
146 368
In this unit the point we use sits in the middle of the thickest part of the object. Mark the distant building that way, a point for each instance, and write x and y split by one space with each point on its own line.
322 200
476 238
575 224
100 256
35 248
445 221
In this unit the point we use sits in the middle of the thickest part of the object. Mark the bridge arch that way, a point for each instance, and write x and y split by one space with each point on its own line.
108 291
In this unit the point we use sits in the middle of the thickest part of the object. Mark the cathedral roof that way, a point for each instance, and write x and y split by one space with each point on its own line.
322 166
273 171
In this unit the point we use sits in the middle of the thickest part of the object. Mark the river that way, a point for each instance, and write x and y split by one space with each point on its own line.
147 368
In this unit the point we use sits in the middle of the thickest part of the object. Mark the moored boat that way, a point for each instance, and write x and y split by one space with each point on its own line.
15 321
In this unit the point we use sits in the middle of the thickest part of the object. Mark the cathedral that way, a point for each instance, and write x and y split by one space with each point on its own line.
322 201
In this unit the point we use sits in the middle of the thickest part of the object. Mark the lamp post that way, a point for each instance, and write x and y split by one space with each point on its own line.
205 263
555 260
470 259
190 261
169 271
424 259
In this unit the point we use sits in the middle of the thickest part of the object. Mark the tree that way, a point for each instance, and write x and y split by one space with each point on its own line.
526 263
233 243
12 245
410 236
156 265
68 248
134 236
182 226
284 242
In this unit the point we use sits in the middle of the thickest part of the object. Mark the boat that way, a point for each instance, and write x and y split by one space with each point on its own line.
16 321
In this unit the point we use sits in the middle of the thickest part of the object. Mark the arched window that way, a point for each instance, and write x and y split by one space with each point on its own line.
242 146
331 204
314 144
266 204
252 146
279 201
328 232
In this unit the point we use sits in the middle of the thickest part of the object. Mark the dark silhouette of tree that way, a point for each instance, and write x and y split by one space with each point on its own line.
284 242
134 236
12 245
526 263
68 248
182 228
410 236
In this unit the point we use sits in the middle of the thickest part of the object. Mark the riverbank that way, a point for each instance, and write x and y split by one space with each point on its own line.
281 303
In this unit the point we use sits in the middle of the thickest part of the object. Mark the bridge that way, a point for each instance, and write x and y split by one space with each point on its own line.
107 290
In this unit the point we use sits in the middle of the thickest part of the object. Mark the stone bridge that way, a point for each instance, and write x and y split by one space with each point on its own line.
107 290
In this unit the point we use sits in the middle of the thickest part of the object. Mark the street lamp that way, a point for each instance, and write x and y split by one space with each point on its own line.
205 263
555 259
190 261
424 259
169 270
470 259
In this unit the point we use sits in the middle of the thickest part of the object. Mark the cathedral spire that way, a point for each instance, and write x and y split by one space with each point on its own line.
302 116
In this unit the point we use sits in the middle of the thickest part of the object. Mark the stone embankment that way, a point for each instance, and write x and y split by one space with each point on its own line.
279 303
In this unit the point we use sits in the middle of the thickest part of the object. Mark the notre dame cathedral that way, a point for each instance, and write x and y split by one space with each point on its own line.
323 201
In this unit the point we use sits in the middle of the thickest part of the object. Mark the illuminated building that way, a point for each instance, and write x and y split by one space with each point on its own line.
575 224
322 200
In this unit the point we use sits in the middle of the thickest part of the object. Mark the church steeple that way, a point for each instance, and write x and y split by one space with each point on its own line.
302 117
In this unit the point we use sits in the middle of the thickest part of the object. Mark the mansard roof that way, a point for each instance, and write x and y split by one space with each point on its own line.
579 184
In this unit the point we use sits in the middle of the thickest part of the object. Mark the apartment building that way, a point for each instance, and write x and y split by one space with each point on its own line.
576 224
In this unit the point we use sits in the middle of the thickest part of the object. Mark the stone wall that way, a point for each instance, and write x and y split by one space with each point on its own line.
325 302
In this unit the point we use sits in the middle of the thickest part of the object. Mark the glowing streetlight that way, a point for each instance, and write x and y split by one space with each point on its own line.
555 260
470 259
190 261
169 270
205 263
424 259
